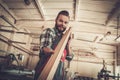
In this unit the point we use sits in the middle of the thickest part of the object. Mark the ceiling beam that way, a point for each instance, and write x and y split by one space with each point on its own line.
92 51
76 8
6 40
18 32
100 43
40 8
8 21
5 7
96 61
117 37
114 13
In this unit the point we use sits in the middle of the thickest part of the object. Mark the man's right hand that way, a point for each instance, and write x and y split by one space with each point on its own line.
48 50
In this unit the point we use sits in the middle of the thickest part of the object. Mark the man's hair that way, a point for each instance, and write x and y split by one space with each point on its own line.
64 12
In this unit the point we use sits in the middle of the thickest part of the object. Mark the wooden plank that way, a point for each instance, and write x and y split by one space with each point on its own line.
51 66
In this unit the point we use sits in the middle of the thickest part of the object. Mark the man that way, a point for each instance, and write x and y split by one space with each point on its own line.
49 40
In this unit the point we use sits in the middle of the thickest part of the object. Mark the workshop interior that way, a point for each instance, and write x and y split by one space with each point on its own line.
95 40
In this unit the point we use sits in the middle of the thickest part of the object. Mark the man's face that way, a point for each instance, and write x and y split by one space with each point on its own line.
62 23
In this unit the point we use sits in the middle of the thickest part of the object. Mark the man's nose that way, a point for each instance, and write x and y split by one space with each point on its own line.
63 24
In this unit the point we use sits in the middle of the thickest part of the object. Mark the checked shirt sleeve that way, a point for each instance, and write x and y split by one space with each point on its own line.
46 38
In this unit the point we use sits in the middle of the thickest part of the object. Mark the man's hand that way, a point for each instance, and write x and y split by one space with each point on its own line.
48 50
69 57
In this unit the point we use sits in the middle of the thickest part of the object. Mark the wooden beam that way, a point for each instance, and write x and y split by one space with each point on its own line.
8 41
40 8
8 21
90 51
76 9
5 7
84 21
22 48
117 37
51 66
118 26
3 26
18 42
97 42
4 30
18 32
32 20
114 13
98 61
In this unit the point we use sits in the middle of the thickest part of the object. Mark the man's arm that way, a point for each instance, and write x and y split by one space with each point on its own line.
46 41
70 55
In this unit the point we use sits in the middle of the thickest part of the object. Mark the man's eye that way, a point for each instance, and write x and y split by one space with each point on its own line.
66 22
60 20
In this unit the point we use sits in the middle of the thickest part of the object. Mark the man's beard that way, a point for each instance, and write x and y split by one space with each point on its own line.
60 31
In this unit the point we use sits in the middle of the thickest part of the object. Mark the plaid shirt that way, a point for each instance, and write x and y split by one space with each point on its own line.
48 36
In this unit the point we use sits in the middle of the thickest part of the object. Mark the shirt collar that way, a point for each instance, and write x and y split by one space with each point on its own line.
57 32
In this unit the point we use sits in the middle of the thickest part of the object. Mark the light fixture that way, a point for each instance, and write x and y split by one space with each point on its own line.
96 39
107 34
27 2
